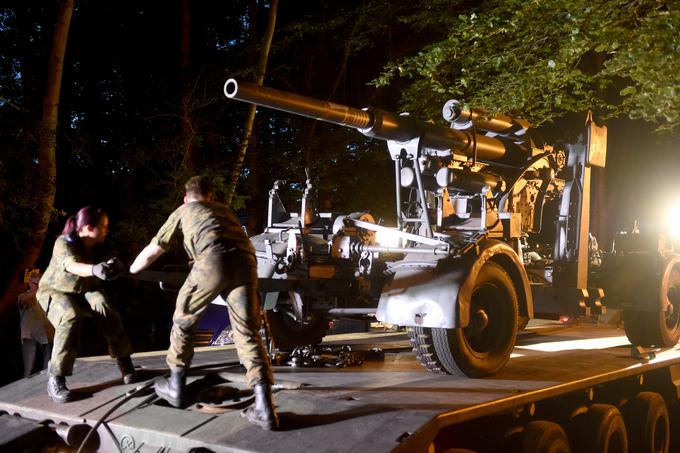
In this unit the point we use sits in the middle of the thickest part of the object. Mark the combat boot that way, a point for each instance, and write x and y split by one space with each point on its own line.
262 412
56 388
172 389
127 370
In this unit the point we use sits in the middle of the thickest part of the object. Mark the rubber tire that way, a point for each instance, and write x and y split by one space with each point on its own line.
448 351
656 328
289 334
674 414
600 430
544 437
648 423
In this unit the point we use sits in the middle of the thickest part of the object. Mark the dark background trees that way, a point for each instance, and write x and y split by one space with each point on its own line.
142 106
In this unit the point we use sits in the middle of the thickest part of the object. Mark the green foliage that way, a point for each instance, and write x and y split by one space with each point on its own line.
123 124
650 60
542 59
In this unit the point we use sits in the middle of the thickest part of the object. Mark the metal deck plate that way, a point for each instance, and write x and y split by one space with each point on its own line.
373 407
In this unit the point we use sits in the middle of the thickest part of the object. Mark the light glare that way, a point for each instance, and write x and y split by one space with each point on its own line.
386 238
673 219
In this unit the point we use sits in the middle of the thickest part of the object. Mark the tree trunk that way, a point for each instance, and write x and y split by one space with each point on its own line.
254 210
28 65
186 91
250 119
46 185
310 145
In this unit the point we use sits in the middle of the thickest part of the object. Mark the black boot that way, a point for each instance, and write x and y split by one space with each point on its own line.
127 370
172 389
262 412
56 388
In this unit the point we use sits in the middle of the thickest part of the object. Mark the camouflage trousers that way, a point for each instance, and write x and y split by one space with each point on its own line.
66 312
233 274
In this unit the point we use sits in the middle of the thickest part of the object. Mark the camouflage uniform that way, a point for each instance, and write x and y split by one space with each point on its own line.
66 298
224 262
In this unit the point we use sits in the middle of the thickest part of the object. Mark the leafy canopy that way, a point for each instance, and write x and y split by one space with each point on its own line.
545 58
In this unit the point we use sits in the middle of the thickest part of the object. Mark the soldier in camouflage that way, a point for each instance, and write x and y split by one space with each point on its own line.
224 263
69 290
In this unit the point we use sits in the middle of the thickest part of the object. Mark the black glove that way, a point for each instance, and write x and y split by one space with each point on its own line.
109 270
102 271
119 268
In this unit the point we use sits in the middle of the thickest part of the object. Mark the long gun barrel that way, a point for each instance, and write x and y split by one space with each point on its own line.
379 123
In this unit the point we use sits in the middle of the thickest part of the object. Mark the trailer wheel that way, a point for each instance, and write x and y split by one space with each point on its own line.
544 437
288 332
657 328
484 346
648 423
674 418
600 430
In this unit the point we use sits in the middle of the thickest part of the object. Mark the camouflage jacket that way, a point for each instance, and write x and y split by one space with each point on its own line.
56 278
207 228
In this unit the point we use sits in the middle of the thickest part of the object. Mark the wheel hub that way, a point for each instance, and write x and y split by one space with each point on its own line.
671 312
480 320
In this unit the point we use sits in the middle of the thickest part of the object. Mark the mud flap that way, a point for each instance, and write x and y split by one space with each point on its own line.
435 291
421 295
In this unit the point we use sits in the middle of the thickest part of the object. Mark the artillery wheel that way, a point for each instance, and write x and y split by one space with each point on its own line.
484 346
657 328
288 332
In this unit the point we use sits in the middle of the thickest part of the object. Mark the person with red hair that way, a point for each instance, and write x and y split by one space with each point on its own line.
70 289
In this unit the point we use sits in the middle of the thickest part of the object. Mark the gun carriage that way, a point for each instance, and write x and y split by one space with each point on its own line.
475 202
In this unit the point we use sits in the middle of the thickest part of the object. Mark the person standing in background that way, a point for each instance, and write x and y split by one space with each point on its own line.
37 334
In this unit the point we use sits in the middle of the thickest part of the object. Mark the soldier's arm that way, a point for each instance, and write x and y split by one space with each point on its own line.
65 254
80 269
159 244
147 256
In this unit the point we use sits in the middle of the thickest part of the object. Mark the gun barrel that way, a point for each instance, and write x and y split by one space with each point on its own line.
374 122
505 125
298 104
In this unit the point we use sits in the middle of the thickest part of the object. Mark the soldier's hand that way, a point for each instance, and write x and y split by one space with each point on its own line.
118 267
104 271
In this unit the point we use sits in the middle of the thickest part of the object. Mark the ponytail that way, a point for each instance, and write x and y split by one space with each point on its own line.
86 216
70 230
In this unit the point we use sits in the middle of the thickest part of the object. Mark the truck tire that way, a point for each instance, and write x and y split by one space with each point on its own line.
600 430
484 346
648 423
674 418
657 328
544 437
289 333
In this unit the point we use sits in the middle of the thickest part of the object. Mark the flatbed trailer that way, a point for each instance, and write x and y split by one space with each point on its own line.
555 374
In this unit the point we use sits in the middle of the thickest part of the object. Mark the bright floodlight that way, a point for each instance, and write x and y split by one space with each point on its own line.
673 219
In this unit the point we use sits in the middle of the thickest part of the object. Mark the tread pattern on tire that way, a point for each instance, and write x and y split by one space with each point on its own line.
545 437
593 430
423 346
649 328
432 346
642 415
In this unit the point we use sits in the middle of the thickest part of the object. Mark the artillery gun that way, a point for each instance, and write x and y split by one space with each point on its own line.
474 201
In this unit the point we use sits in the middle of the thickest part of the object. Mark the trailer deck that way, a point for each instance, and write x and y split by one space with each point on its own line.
379 406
